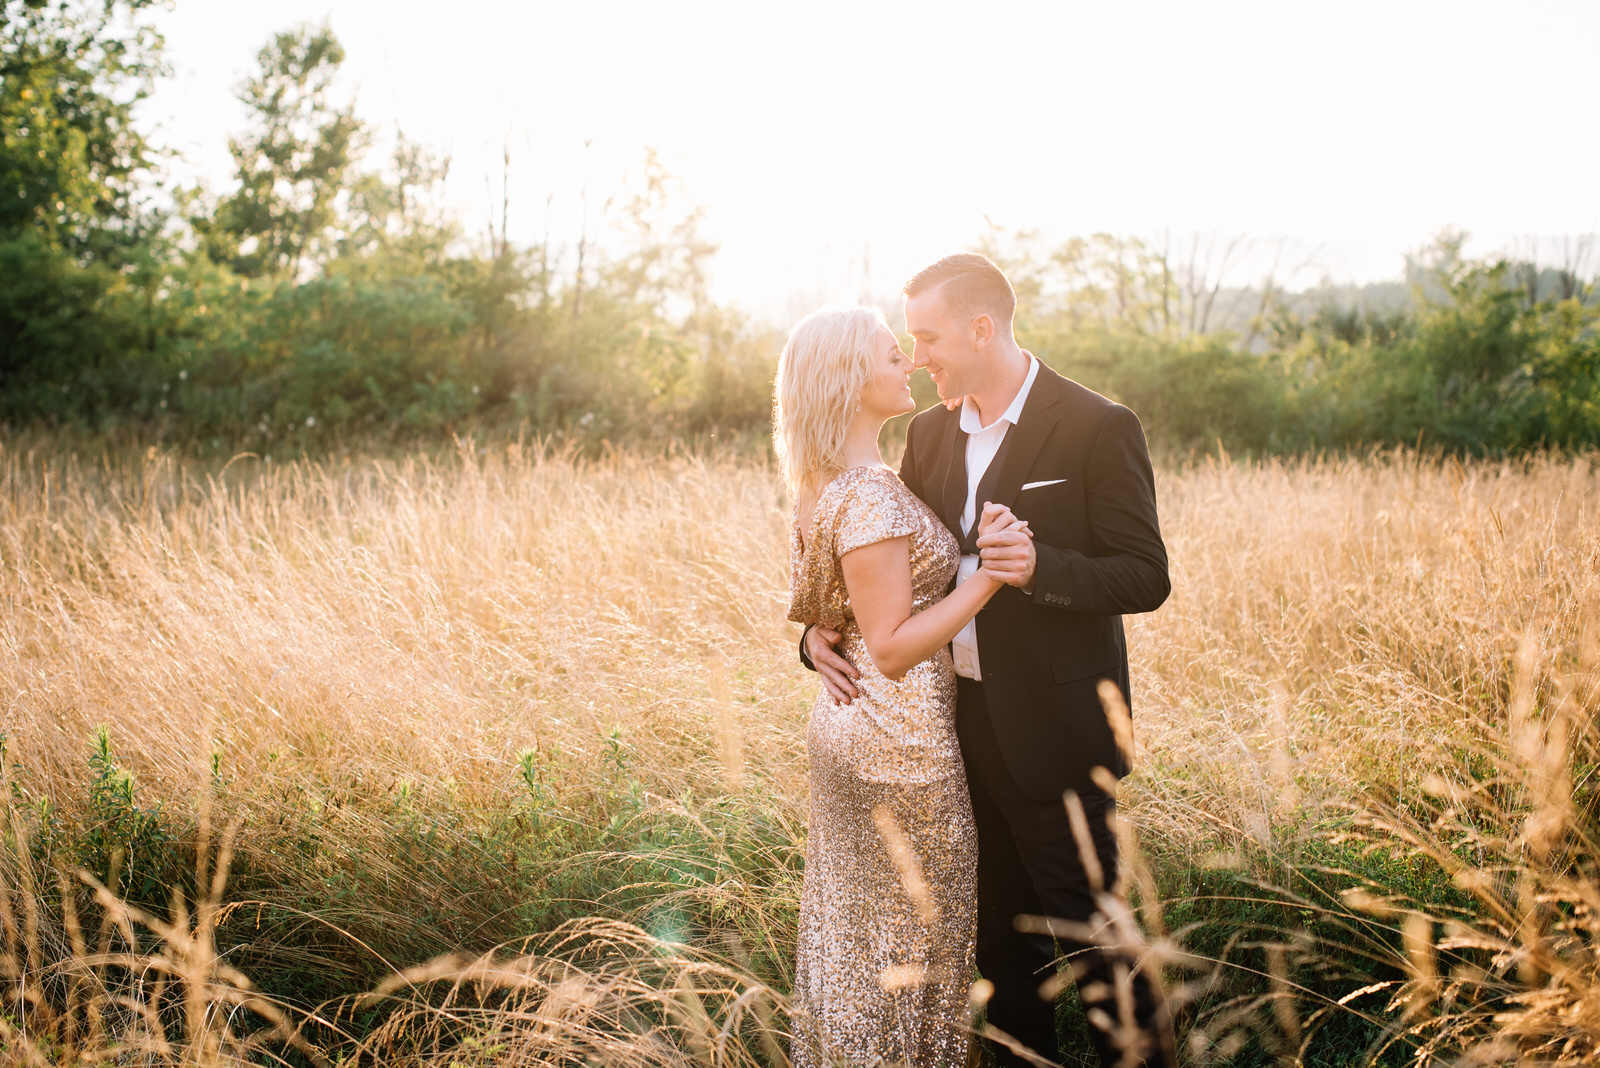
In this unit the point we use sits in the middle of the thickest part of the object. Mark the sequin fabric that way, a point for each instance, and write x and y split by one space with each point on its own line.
887 910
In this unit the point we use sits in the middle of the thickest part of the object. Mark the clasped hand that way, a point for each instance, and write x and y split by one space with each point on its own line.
1005 546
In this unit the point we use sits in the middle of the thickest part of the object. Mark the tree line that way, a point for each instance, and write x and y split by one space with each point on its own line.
327 298
1476 356
321 297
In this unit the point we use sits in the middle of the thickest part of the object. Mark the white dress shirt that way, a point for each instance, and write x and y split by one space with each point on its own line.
982 444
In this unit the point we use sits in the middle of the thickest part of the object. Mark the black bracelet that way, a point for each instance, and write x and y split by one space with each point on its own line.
804 659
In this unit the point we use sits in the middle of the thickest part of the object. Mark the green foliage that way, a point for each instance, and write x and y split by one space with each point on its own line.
124 845
412 874
1477 369
76 338
343 887
1189 391
1476 365
320 301
343 884
291 166
75 236
70 156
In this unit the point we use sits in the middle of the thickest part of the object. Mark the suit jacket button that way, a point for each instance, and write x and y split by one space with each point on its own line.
1066 600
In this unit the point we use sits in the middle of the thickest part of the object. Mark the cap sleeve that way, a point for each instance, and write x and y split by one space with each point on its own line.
857 508
870 510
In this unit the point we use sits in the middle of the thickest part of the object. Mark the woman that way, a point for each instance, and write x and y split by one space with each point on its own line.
887 909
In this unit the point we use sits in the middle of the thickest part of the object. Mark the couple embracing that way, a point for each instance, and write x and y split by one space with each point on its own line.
961 615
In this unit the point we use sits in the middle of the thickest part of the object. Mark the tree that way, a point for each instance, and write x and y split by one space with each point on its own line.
664 264
71 161
399 212
292 165
75 233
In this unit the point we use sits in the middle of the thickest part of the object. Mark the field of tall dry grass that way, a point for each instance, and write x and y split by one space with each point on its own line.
496 757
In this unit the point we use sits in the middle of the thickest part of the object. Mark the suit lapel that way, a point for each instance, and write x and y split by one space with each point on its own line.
953 496
1023 443
1007 472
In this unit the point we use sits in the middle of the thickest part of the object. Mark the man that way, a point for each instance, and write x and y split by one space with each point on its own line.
1031 725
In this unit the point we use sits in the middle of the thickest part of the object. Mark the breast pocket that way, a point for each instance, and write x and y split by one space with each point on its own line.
1046 504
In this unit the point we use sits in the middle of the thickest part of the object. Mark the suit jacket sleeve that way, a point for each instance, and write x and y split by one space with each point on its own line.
1127 573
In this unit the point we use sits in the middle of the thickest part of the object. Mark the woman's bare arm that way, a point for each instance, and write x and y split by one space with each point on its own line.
878 579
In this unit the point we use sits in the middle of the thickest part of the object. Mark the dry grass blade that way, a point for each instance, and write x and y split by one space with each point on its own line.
356 652
907 866
593 991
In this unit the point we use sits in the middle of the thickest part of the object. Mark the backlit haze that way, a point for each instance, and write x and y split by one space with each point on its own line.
837 148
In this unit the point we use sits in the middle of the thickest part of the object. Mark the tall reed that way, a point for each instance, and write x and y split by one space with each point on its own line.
396 674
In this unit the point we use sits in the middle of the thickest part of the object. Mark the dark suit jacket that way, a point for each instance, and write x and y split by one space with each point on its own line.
1100 555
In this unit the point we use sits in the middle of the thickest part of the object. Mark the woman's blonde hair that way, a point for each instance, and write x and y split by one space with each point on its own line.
826 363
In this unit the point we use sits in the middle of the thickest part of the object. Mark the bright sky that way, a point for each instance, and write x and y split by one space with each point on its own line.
839 147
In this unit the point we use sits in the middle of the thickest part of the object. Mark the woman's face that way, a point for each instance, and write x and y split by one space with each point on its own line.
888 392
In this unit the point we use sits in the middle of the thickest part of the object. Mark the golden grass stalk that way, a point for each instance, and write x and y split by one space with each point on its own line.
592 992
362 641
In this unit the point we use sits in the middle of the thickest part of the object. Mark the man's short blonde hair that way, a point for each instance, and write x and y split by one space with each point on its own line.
973 286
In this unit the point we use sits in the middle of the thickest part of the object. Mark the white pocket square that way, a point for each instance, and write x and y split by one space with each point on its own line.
1036 485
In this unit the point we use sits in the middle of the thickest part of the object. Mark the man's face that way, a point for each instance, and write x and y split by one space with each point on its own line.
943 343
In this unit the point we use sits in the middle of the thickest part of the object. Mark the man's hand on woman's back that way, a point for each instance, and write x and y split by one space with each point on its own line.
837 672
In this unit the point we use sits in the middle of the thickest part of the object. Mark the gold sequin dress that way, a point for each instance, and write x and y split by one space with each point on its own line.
887 911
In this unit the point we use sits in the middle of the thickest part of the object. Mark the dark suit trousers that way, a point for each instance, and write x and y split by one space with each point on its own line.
1029 863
